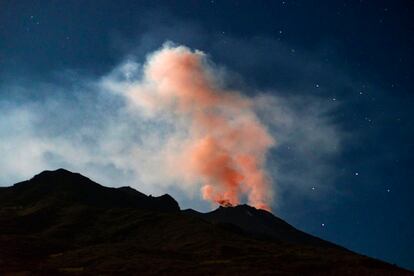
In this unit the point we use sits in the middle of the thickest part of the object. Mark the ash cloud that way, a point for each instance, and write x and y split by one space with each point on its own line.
224 147
170 124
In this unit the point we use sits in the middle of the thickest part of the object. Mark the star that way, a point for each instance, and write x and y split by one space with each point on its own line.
356 173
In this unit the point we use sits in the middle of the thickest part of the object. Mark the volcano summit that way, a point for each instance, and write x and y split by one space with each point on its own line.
61 222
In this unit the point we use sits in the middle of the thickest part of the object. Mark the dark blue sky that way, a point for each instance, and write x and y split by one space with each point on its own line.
358 54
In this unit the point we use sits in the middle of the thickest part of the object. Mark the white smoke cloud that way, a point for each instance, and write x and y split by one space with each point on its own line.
84 126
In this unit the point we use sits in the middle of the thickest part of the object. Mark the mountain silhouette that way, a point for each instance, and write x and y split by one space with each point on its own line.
259 224
62 187
61 222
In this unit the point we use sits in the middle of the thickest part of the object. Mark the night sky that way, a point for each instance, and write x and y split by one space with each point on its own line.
340 72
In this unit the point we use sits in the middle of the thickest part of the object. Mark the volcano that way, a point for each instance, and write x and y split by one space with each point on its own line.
61 222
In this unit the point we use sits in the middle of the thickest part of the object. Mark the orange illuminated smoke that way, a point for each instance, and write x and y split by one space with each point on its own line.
226 146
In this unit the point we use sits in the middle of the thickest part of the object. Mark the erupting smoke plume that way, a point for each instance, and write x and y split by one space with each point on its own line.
225 146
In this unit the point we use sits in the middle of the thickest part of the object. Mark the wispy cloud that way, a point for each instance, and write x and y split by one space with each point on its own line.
81 124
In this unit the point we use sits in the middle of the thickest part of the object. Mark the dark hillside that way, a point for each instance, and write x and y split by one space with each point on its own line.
63 223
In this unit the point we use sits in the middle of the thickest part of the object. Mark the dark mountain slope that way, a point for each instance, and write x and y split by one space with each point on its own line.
63 223
62 187
260 224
